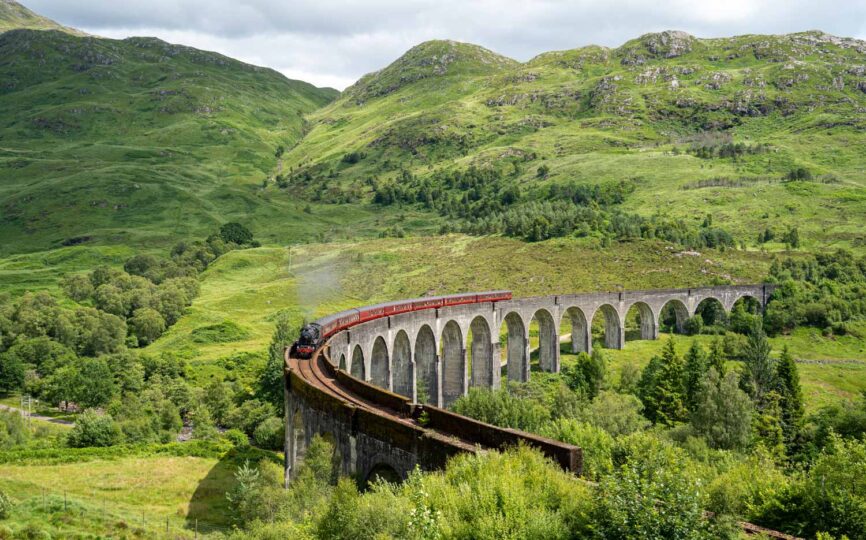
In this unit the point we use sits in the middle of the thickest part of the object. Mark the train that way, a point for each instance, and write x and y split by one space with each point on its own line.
315 334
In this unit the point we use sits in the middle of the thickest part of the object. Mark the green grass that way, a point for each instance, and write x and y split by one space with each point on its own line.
138 142
135 495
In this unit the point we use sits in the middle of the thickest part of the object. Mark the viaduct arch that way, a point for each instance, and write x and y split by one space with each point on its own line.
381 388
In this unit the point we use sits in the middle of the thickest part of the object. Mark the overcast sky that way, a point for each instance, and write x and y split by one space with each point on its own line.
334 42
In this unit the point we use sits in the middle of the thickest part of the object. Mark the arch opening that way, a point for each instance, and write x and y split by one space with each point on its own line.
382 472
640 322
513 334
480 353
674 315
710 313
426 385
453 363
342 364
542 328
606 327
573 323
401 358
357 368
379 364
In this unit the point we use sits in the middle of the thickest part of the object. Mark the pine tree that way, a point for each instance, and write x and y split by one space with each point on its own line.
662 387
791 396
695 369
768 425
271 378
761 368
716 359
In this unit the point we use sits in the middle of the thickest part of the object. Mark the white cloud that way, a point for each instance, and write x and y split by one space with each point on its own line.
333 42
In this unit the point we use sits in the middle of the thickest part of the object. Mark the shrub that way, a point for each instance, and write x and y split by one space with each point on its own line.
270 434
5 505
652 494
618 414
596 443
235 233
94 429
502 408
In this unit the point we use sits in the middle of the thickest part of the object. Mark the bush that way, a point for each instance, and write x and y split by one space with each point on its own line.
596 443
237 438
502 408
235 233
94 429
249 415
5 505
618 414
270 434
652 494
694 325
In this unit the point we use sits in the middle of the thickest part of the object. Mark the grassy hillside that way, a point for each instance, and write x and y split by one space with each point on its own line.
13 15
138 140
660 112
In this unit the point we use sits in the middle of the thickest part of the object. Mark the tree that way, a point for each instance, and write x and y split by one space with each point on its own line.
95 385
760 367
542 171
236 233
694 325
791 397
716 358
218 400
695 369
94 429
78 287
723 412
109 298
271 379
662 388
148 325
587 375
11 372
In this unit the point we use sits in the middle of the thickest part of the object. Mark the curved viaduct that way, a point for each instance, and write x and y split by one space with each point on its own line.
379 389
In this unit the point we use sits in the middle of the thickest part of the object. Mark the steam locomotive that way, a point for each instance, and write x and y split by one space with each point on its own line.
315 334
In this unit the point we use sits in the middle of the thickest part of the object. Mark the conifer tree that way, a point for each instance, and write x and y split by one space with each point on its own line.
662 387
271 378
791 396
695 369
716 358
760 367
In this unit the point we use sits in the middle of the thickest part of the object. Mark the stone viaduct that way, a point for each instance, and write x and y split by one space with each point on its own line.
378 389
434 356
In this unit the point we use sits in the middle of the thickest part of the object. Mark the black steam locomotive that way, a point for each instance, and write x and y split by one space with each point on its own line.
311 338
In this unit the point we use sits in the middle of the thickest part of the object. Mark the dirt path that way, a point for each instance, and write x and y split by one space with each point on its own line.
38 416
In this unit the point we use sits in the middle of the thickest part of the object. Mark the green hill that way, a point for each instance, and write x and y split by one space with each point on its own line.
694 126
136 140
14 16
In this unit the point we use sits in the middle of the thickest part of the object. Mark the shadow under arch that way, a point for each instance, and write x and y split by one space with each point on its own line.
379 368
453 362
517 358
426 386
481 361
357 368
401 368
